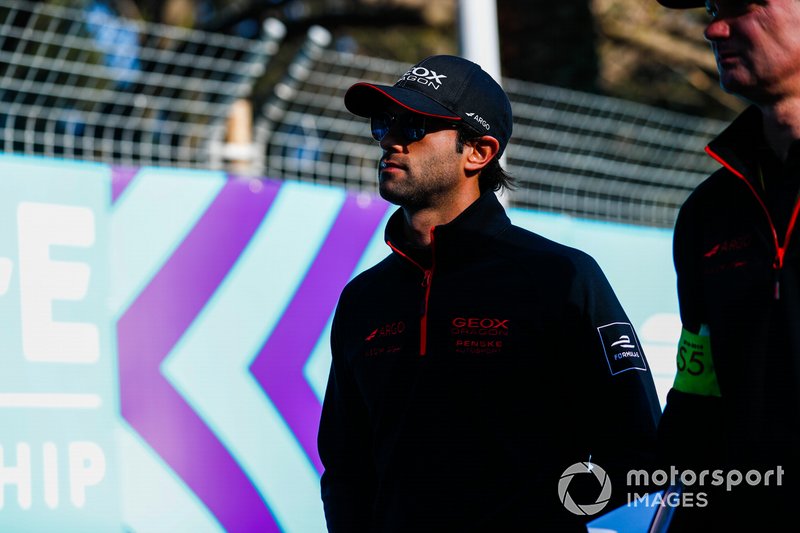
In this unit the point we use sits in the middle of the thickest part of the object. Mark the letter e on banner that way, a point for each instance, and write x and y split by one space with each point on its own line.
43 281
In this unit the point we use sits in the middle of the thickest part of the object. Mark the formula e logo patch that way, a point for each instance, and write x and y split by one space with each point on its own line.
621 347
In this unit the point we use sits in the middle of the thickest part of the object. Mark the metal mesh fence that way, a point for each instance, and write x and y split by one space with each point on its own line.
571 152
316 138
602 157
90 85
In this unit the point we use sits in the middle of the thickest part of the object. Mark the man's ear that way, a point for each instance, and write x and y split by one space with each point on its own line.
480 152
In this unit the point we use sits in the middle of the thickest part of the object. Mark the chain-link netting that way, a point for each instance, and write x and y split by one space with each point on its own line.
91 85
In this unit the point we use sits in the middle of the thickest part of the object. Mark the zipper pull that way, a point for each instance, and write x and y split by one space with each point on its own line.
423 319
777 292
426 279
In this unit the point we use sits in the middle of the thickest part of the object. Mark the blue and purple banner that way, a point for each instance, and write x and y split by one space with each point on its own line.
59 401
164 339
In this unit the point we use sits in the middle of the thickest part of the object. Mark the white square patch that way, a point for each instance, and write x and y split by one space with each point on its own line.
621 348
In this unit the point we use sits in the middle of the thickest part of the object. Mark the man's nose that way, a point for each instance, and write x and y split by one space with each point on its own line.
716 30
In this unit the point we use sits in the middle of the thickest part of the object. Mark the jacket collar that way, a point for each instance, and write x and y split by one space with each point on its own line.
737 146
484 217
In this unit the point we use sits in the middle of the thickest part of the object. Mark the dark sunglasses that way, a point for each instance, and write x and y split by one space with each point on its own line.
412 126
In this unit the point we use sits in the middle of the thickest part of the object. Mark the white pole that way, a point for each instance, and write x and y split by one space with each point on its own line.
478 34
479 41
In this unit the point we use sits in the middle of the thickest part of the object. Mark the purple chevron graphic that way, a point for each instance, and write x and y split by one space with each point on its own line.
121 177
148 331
279 365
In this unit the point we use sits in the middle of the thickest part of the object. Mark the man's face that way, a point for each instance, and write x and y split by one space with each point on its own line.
757 47
418 173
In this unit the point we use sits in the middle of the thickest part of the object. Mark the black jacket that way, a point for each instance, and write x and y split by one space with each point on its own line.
460 391
735 404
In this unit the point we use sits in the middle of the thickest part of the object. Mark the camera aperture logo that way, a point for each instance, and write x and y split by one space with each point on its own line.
584 509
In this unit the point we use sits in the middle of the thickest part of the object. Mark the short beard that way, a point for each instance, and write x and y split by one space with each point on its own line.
414 201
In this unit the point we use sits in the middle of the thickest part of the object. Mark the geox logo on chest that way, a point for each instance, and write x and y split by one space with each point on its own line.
424 76
479 326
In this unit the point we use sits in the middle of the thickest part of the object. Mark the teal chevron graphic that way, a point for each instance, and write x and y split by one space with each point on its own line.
251 302
226 383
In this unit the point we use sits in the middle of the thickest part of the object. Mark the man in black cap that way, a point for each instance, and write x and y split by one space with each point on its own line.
479 367
735 403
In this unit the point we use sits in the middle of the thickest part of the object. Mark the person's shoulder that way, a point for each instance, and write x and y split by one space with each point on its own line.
365 279
531 245
717 181
714 191
536 243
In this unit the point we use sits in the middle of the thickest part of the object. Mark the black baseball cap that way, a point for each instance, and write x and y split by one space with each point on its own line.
442 86
682 4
